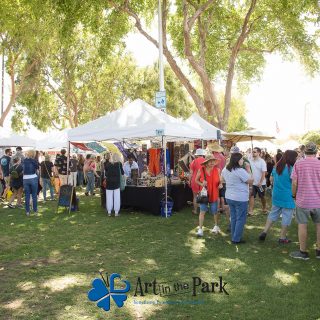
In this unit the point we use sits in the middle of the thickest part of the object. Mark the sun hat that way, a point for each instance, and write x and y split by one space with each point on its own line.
311 148
208 158
214 147
200 152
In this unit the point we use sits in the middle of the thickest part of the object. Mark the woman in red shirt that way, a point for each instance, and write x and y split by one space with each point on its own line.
209 176
195 165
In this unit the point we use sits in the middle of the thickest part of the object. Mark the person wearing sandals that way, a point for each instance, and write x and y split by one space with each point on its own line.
209 176
282 201
30 181
237 194
195 165
113 170
45 175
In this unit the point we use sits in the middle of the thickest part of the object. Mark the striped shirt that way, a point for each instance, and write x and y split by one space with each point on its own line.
307 174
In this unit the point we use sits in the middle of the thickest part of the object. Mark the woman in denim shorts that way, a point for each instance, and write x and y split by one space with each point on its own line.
282 200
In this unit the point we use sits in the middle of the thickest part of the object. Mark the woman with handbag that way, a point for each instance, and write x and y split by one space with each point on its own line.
208 178
195 165
237 194
90 173
47 177
114 174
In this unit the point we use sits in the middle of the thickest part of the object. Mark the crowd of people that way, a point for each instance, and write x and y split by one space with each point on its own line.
293 178
228 182
36 172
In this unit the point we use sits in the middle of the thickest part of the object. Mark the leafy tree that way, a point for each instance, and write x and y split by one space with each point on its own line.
226 40
76 84
313 136
22 41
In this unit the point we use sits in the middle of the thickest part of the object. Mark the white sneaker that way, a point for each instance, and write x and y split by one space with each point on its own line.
116 214
109 214
215 229
200 233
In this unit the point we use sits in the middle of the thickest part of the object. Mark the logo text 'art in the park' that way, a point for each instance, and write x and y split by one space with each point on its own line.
103 290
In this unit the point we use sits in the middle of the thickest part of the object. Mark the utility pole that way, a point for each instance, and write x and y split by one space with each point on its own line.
2 82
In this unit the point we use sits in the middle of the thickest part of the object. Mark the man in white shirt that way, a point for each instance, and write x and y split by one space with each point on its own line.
129 165
259 170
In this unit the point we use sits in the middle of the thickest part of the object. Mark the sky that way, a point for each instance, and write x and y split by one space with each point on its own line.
283 94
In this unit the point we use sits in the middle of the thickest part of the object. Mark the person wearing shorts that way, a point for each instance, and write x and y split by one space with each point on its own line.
209 177
259 170
282 201
306 190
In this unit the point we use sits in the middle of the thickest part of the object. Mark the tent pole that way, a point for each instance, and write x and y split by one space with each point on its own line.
164 147
68 160
251 144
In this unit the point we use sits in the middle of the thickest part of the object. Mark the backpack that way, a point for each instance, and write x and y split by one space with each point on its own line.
14 174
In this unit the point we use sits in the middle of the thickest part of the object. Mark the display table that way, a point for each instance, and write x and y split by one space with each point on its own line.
146 198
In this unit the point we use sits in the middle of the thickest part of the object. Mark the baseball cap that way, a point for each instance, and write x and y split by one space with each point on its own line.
311 148
235 149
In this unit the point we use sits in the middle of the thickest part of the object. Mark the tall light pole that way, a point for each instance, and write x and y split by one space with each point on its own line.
161 69
2 82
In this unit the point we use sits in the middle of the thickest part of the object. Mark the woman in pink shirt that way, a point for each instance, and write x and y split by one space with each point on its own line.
194 167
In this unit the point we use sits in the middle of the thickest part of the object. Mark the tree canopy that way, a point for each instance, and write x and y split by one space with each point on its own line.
67 63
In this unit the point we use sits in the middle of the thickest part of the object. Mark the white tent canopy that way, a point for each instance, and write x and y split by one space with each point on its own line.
11 139
137 120
210 132
53 140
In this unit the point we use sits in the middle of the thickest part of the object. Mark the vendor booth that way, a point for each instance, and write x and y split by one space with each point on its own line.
209 131
140 121
11 139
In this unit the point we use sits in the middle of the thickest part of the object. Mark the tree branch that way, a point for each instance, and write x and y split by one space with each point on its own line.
210 99
172 62
199 12
245 30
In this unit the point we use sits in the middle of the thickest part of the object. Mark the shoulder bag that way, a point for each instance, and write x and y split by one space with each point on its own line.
202 196
123 180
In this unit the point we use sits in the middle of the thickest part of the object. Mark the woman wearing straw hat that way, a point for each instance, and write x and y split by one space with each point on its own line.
195 165
209 176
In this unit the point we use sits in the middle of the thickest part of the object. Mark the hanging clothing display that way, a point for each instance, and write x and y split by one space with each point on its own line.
154 161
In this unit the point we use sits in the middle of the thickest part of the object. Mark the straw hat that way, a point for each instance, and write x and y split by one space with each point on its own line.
214 147
208 158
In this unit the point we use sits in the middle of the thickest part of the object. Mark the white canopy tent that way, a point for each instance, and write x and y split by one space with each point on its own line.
11 139
53 140
210 132
138 120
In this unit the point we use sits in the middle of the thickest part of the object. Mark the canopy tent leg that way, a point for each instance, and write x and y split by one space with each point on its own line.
164 147
68 161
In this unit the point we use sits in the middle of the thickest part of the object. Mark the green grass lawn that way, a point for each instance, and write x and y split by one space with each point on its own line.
47 264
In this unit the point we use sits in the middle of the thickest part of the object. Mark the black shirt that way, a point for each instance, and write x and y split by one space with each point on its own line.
61 164
112 173
46 169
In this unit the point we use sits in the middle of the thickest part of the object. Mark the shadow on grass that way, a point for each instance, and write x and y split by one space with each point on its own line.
48 263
